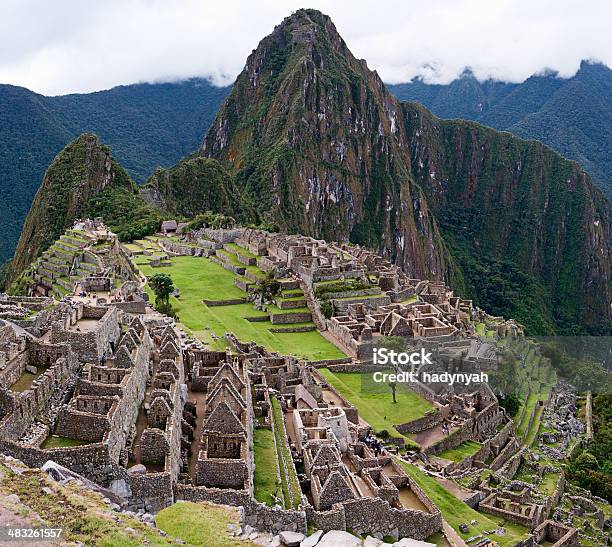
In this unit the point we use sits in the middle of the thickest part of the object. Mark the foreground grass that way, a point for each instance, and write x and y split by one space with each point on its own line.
201 279
464 450
376 405
455 512
199 524
81 514
265 479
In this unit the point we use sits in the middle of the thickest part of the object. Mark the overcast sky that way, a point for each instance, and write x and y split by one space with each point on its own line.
63 46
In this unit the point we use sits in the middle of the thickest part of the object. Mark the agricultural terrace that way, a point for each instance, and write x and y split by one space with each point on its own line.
536 378
199 279
459 453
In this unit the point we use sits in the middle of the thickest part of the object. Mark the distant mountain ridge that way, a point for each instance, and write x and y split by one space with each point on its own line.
146 125
571 115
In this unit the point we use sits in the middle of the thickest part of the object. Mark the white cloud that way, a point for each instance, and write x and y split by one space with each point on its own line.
72 46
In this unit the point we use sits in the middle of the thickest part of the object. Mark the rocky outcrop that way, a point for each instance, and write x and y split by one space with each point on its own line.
79 172
316 144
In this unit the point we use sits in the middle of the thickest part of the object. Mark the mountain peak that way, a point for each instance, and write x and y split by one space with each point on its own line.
305 34
307 26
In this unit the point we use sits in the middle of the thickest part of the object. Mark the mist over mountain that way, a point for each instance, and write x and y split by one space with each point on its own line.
572 115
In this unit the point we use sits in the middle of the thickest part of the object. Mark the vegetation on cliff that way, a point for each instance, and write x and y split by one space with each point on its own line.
572 115
316 143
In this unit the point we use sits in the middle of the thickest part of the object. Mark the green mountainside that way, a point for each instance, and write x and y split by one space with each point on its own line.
572 115
310 140
316 144
151 125
316 141
194 185
82 181
147 125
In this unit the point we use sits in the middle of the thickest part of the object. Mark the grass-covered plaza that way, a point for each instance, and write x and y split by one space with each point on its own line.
200 279
376 405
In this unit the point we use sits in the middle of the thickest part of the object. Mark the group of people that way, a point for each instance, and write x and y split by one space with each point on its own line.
374 444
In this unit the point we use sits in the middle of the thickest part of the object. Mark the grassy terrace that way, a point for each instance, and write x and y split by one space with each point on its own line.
291 487
375 404
201 279
464 450
455 512
55 441
200 524
265 478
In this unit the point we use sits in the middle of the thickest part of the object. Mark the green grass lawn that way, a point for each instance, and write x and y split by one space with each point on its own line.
265 477
376 405
199 524
455 512
237 249
201 279
55 441
464 450
284 454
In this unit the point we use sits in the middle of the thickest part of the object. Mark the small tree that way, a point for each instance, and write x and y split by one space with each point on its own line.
393 386
266 290
327 309
162 286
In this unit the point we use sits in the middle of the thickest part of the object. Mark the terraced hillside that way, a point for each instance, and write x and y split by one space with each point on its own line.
57 270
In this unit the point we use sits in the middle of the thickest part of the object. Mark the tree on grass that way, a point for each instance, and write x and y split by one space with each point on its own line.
266 289
162 286
393 386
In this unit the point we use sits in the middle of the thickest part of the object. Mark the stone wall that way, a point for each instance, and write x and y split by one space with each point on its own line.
429 421
22 408
151 491
288 318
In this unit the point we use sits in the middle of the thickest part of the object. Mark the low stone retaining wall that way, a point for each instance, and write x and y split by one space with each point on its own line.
238 270
332 364
290 304
355 293
288 318
228 302
242 284
293 329
250 275
432 419
257 318
371 303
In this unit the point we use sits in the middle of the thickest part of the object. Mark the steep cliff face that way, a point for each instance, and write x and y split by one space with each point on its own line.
81 171
316 145
518 202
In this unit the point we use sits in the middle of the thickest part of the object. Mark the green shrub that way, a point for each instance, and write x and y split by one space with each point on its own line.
327 309
341 286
